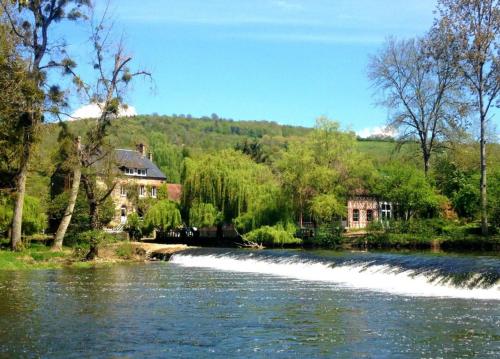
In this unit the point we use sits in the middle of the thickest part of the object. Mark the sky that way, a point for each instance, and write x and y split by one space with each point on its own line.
288 61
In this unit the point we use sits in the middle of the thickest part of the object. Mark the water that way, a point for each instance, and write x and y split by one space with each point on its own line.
220 303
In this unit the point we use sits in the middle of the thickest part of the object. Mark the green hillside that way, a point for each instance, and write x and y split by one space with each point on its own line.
171 139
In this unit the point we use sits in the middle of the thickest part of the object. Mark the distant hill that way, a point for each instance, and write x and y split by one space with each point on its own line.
171 138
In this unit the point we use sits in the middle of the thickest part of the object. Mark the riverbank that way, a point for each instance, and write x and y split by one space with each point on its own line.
39 256
384 240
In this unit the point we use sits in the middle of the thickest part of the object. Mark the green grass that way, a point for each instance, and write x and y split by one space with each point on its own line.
36 256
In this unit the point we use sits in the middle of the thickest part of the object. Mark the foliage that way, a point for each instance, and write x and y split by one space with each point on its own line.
134 226
274 236
125 250
326 206
203 215
409 190
230 181
326 164
163 216
326 235
34 217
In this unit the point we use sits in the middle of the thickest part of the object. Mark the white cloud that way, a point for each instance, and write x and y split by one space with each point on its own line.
376 131
94 111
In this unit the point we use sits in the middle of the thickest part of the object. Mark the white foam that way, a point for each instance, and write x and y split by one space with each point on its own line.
382 278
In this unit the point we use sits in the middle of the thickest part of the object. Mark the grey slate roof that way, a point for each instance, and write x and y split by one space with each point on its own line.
133 159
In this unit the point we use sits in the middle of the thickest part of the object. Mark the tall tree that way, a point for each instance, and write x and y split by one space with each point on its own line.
474 28
32 23
113 76
421 89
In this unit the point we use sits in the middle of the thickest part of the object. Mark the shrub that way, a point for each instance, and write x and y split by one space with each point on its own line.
125 250
274 236
134 226
94 237
327 235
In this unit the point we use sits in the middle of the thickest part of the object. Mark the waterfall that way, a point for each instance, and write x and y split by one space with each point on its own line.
410 275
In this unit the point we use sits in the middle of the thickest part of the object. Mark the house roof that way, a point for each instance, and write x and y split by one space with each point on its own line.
133 159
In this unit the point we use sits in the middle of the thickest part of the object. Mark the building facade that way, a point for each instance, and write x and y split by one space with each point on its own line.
138 178
363 209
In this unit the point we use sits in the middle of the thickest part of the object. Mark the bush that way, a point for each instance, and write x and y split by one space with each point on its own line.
274 236
327 236
125 250
134 226
94 237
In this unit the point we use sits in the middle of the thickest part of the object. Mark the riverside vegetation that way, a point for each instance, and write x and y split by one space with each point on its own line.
264 178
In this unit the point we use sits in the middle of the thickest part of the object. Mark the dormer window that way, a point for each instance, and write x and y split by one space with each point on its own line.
135 171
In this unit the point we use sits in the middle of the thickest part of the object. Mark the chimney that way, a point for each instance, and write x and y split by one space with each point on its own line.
141 148
150 156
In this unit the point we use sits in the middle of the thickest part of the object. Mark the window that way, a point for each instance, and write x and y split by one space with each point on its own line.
141 172
142 190
123 191
385 210
355 215
369 215
153 192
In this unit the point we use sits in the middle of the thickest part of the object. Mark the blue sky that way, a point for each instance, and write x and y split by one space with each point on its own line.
288 61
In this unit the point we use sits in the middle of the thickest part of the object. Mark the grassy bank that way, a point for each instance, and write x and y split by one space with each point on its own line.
39 256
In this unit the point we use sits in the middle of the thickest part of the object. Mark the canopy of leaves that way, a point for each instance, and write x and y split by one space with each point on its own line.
409 190
229 180
34 217
163 216
203 215
326 163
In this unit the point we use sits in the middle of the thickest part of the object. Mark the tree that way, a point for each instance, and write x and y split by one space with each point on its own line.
473 26
32 25
71 154
326 164
421 89
95 159
203 215
409 190
163 216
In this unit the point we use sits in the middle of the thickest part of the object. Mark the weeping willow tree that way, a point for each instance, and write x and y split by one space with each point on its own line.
203 215
163 216
236 186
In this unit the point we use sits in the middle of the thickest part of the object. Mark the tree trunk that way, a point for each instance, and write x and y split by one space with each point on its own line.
68 213
427 157
94 224
17 219
484 201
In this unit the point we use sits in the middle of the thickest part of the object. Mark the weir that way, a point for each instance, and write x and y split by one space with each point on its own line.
401 274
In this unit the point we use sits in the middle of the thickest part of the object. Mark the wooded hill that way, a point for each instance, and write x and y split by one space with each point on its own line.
172 138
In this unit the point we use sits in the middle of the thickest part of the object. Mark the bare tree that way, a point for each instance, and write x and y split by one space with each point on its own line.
113 76
31 23
473 26
420 87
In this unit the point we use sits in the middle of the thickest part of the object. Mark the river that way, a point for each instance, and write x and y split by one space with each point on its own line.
270 304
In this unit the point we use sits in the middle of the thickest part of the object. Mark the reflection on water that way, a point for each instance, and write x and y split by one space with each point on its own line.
166 310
